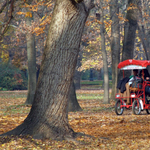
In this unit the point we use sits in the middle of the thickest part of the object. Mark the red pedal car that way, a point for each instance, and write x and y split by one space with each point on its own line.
137 98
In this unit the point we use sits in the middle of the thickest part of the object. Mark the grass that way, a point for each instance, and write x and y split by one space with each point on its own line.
16 109
96 84
18 98
13 94
89 96
87 82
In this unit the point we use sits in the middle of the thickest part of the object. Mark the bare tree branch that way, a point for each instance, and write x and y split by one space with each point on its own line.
4 28
4 5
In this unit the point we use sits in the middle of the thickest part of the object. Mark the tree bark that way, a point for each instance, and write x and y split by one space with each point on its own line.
130 32
148 42
104 56
115 44
144 41
77 75
7 18
48 117
31 55
73 104
141 29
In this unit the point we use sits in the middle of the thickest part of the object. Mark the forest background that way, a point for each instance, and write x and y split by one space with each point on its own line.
13 47
123 26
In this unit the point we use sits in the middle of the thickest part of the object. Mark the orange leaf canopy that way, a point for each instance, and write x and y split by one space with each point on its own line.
133 64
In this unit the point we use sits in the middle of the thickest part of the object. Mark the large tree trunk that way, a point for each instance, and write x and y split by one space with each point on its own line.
148 42
48 115
130 32
141 29
31 55
115 44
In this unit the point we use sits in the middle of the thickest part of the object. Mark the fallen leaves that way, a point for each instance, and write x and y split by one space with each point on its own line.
99 120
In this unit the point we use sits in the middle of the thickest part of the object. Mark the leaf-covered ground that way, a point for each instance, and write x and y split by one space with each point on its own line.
108 131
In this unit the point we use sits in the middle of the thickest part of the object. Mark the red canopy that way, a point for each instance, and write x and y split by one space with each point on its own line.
133 64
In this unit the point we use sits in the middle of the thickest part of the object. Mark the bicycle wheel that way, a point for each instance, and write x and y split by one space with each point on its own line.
118 109
148 111
136 107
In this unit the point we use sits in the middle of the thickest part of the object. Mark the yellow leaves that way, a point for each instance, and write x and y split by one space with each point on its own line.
38 30
43 18
99 22
105 7
49 4
4 55
132 6
88 50
88 23
107 23
121 18
3 123
28 14
21 13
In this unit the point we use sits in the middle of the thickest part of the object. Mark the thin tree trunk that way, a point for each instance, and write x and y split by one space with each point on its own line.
115 44
31 55
48 115
104 56
77 75
144 40
73 104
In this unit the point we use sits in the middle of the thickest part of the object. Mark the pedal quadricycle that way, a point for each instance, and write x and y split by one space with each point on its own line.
134 91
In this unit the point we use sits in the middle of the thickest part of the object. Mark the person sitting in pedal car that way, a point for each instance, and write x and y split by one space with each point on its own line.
134 77
144 74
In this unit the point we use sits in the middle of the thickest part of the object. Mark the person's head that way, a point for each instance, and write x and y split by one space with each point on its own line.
135 72
144 73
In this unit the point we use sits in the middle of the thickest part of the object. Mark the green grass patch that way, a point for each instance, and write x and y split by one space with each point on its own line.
96 84
87 82
89 96
12 94
16 109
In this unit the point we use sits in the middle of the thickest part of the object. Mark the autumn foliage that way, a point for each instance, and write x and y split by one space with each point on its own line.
106 129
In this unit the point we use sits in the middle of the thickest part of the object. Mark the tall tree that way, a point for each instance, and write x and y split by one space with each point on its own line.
115 44
31 56
129 30
104 54
48 117
143 34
